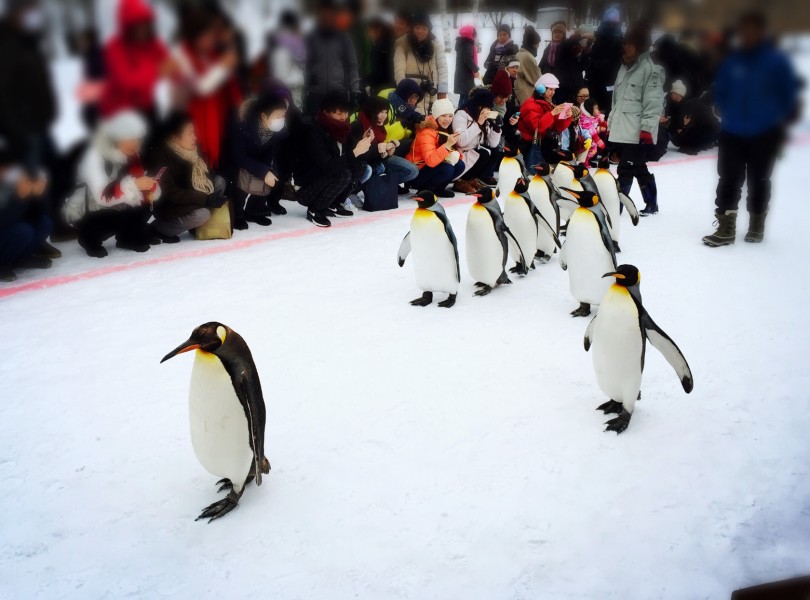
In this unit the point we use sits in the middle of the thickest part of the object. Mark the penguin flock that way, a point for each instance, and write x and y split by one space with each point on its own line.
518 225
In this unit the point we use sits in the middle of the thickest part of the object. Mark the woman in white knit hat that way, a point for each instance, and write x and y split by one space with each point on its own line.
435 153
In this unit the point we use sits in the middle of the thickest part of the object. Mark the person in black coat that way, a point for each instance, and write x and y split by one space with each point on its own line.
330 168
698 128
561 59
255 141
381 70
466 62
501 51
605 59
189 191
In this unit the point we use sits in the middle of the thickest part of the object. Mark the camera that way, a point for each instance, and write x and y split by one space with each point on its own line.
429 87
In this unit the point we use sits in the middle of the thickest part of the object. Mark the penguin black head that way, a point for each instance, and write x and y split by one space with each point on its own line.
208 338
521 186
510 151
585 199
604 162
626 276
484 195
543 169
426 199
580 171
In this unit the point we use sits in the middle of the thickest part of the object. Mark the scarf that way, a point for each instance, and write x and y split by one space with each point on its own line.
337 130
500 48
199 170
379 131
552 53
264 133
423 51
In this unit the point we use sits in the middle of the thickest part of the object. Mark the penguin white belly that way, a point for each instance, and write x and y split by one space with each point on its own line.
508 174
483 247
587 258
434 259
609 196
219 428
538 192
521 223
617 347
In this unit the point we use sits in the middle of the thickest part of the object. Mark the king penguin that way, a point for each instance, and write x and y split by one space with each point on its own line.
435 251
487 243
524 220
619 333
226 412
544 195
612 199
510 170
588 252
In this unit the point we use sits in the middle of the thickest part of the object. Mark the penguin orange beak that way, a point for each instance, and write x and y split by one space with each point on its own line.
186 346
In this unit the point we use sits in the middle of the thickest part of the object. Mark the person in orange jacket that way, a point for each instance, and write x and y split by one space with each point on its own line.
540 124
434 151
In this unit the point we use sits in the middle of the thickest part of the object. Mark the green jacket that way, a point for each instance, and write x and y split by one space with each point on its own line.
638 101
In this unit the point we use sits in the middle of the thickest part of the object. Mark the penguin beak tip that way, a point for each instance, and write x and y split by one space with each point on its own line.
606 275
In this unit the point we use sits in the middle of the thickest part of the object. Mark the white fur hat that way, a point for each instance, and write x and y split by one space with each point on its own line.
679 87
125 125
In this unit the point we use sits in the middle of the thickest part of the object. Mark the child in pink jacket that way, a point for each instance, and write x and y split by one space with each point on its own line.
593 121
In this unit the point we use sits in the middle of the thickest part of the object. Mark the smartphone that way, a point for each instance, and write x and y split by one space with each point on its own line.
159 174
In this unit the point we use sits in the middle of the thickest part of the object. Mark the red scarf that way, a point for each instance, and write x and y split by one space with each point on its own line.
379 131
337 130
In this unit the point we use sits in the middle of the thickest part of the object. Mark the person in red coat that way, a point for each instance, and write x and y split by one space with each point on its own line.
135 60
540 124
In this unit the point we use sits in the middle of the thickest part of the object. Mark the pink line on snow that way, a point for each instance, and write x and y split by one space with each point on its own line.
59 280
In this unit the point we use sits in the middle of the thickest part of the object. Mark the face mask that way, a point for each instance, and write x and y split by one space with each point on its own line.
276 125
33 20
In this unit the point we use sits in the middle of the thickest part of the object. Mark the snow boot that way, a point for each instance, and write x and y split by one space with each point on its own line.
47 251
726 230
756 228
649 192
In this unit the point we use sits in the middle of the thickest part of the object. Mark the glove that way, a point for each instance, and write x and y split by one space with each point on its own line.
453 158
646 138
215 199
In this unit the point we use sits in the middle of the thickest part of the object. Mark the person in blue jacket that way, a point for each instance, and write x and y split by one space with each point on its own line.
757 95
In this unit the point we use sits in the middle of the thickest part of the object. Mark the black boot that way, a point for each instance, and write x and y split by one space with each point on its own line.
756 228
726 231
649 192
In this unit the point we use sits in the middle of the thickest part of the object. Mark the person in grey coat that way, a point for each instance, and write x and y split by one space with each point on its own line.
331 60
638 102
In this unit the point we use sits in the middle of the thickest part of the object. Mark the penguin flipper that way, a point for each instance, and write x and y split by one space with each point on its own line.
404 249
666 346
563 262
607 239
589 333
542 223
522 267
448 230
628 204
250 396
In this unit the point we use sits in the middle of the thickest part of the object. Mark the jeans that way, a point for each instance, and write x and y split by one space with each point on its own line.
178 225
23 239
401 169
438 177
747 158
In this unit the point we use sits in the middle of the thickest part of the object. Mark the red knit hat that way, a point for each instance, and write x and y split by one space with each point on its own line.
502 84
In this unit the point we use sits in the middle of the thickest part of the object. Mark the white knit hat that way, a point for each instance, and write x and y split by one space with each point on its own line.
679 87
549 81
513 63
125 125
442 107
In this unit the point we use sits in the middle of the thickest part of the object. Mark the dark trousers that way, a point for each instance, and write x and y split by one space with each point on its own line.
751 158
438 177
633 165
692 140
127 224
488 160
23 239
330 191
251 205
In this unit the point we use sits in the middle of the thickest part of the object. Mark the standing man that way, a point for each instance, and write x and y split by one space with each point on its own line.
638 102
752 130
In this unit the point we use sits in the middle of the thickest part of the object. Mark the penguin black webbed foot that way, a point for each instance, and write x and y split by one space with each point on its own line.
611 407
221 508
484 291
616 248
224 484
620 423
503 279
425 300
519 270
542 257
451 300
583 311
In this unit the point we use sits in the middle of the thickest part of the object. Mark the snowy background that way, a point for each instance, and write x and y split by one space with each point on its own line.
417 453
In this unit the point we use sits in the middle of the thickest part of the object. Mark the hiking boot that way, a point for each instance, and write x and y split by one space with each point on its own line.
489 182
649 192
47 251
756 228
34 262
463 186
318 219
7 274
726 233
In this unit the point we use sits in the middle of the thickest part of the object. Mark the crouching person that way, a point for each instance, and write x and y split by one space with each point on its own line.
331 168
113 195
188 190
435 151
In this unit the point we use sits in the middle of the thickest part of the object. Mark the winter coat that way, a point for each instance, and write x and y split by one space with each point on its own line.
604 61
498 58
27 100
402 119
466 67
638 101
325 157
408 66
105 180
535 116
756 90
473 136
178 197
567 67
331 63
133 68
429 147
248 152
381 71
527 76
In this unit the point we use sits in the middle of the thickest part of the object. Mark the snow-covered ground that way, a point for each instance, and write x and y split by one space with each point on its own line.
417 453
